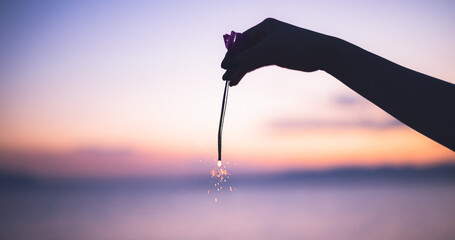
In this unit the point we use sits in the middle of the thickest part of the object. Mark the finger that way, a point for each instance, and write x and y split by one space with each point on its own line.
237 76
248 39
233 76
227 75
251 59
226 59
244 63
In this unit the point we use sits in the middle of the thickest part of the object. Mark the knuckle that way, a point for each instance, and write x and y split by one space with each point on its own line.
270 24
269 21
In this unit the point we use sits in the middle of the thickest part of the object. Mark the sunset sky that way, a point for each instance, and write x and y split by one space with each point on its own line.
133 88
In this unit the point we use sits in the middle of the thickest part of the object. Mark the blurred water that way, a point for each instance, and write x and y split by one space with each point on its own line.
370 211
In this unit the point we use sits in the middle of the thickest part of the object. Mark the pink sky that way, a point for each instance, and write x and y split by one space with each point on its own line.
134 89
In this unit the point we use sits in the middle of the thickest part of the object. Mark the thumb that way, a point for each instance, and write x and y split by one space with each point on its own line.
249 59
245 62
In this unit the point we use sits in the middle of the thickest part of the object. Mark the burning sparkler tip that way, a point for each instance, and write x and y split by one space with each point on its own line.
219 163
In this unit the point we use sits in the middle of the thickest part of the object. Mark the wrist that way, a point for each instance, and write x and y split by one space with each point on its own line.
331 53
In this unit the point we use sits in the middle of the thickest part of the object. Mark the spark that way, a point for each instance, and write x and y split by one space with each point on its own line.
219 177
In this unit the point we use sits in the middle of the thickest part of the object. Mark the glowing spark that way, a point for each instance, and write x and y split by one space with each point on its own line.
219 176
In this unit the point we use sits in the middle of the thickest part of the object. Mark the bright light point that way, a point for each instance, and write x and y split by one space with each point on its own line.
219 176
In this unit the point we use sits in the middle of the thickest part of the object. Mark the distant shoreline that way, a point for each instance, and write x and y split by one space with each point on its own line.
435 174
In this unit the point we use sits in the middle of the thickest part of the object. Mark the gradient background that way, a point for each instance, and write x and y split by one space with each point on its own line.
111 88
132 89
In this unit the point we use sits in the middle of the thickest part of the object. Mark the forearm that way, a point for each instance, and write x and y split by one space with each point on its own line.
424 103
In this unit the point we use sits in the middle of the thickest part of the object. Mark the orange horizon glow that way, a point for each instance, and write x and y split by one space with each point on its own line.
102 90
283 152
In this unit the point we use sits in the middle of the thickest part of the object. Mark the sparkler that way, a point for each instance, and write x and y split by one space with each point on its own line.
229 40
220 175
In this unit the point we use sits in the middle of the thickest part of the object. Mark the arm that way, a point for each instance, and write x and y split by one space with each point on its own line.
424 103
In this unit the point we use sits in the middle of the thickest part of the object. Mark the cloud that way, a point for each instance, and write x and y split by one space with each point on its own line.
349 100
101 152
293 124
352 111
92 162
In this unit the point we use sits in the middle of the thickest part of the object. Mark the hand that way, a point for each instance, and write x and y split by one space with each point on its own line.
272 42
422 102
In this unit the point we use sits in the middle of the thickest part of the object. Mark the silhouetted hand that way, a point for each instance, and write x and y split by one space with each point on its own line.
422 102
274 43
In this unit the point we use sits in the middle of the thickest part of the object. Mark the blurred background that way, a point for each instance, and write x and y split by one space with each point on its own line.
109 113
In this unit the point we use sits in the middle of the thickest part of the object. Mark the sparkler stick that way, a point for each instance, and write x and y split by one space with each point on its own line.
220 127
229 40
